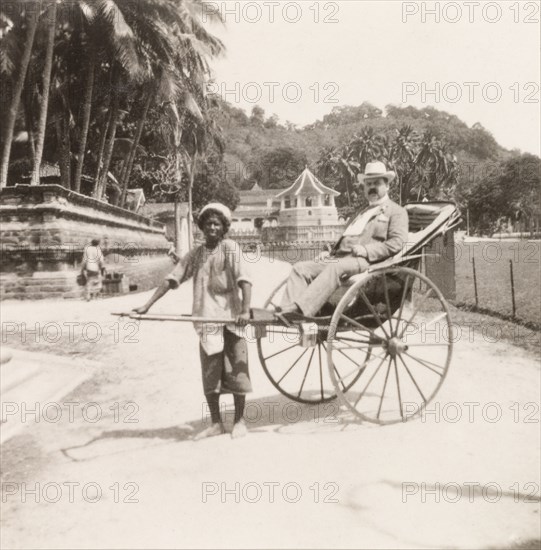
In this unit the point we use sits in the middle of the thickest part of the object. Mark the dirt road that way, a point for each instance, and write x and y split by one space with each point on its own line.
465 475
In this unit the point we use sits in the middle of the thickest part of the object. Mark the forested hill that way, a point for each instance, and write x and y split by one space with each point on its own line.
435 154
256 143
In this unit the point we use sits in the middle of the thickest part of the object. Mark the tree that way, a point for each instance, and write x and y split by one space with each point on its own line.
107 38
172 66
401 155
210 185
433 172
277 168
86 109
30 22
347 114
345 163
423 166
192 129
334 164
290 126
257 117
193 148
46 84
272 121
508 189
96 77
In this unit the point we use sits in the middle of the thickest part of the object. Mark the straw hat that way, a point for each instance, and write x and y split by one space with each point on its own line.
374 170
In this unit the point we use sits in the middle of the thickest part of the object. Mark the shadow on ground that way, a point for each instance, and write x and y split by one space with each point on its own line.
274 413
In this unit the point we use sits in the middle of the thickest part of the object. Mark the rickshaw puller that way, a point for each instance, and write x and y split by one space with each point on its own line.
219 272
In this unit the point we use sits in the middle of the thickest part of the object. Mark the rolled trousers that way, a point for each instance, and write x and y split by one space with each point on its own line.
226 371
311 284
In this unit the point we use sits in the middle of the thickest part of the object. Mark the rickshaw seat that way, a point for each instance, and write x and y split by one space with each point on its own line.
424 220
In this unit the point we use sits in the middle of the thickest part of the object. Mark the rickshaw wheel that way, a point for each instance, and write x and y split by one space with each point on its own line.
410 336
297 372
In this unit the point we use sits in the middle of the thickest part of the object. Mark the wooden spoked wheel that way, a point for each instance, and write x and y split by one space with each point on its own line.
300 373
406 330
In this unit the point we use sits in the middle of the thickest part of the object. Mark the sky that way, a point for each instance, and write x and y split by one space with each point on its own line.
477 60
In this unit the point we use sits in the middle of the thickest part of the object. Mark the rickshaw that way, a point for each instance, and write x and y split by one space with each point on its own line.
382 344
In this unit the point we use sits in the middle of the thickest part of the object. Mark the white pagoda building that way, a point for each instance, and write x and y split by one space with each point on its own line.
307 202
308 211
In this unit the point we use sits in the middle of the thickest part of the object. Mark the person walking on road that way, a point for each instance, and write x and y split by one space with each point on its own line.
93 269
221 289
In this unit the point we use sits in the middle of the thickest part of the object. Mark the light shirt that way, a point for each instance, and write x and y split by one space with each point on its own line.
93 259
356 227
216 294
359 223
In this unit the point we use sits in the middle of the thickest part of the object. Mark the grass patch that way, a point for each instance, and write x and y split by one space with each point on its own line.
492 264
477 326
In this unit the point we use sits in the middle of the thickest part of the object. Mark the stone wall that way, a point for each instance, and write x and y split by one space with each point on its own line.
43 232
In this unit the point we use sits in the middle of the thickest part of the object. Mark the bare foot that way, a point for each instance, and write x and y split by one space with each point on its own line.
239 430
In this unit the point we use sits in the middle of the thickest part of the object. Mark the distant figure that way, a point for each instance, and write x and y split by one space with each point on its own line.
93 269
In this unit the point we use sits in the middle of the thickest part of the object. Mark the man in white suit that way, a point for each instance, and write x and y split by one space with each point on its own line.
375 234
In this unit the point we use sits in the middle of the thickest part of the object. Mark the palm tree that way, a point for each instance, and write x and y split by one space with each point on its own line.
347 162
175 61
99 18
401 156
366 147
433 171
30 22
336 163
112 50
46 84
124 57
422 164
182 87
86 109
199 135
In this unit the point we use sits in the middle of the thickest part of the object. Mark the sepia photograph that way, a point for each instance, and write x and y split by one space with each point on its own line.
270 274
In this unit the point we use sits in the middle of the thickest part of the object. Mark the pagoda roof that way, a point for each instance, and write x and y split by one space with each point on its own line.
307 183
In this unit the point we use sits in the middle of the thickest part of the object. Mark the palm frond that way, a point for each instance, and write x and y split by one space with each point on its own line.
120 35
